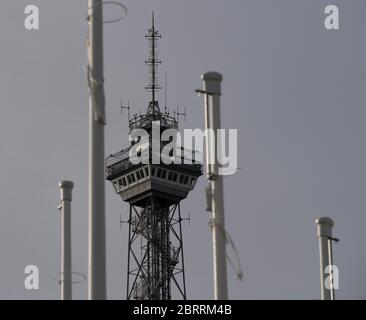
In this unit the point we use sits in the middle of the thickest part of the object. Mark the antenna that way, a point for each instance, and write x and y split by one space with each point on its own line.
166 90
188 219
128 109
153 61
184 114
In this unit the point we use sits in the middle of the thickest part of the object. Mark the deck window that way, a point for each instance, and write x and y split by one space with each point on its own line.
186 179
138 176
147 172
142 174
158 174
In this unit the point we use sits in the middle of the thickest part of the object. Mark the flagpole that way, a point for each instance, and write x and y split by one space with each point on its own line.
96 240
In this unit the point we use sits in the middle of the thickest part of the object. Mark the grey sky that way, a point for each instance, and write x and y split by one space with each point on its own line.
295 91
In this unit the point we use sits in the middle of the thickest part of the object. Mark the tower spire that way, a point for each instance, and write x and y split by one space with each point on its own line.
152 62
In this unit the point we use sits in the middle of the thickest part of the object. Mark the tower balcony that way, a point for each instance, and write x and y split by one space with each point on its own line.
136 183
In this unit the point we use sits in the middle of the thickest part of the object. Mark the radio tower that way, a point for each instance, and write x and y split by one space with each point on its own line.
154 191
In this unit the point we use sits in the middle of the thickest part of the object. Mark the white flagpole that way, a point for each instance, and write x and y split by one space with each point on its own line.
212 92
97 245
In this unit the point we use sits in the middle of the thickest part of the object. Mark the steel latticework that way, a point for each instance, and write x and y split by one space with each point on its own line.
155 252
154 191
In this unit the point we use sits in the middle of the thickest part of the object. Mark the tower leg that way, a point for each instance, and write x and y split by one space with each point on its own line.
129 255
181 245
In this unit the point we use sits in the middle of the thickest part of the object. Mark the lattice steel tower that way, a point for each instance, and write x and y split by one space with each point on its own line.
154 191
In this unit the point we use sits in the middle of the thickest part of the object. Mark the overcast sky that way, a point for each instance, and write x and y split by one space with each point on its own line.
295 92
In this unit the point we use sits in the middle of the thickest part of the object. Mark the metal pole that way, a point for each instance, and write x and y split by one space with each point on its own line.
97 250
66 270
330 253
324 233
212 90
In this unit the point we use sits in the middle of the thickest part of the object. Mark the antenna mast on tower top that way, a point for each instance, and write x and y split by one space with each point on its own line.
152 62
